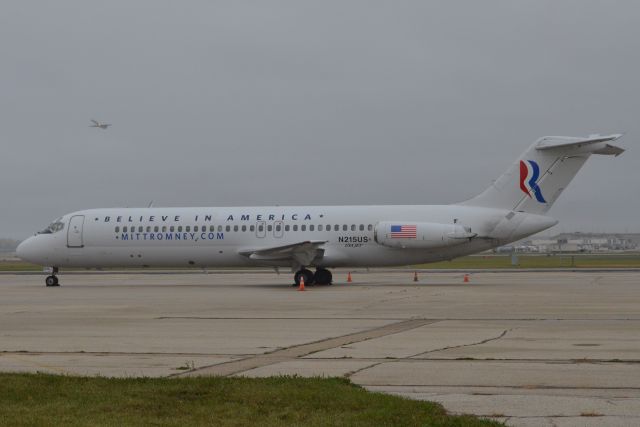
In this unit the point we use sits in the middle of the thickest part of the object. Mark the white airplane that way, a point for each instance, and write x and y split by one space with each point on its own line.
97 124
322 237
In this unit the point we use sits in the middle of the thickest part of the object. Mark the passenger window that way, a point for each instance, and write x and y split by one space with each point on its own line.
361 227
252 228
195 228
244 228
212 228
353 227
287 227
117 229
187 228
295 227
235 228
228 228
164 228
336 227
278 227
303 227
172 229
219 228
311 227
139 229
148 229
156 229
261 228
269 227
320 227
179 229
370 227
344 227
124 229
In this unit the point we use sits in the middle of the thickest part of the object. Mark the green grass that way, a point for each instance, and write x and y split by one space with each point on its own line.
469 262
38 399
18 266
540 261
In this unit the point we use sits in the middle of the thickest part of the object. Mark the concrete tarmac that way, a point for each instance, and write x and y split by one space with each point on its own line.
533 349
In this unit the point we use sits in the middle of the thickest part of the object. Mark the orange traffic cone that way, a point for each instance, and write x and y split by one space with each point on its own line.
466 278
349 278
415 276
301 287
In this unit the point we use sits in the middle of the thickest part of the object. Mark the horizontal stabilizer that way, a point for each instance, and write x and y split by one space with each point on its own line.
594 144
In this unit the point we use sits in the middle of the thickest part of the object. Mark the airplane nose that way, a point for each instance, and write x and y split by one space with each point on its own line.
20 250
27 250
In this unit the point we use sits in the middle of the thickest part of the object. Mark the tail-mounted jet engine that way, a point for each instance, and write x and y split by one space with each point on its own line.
421 235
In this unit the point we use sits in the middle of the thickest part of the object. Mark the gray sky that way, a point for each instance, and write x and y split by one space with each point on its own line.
298 102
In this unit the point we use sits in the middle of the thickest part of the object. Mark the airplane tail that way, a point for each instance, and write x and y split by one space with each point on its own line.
535 181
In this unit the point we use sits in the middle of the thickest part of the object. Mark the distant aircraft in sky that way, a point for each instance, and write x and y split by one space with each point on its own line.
322 237
97 124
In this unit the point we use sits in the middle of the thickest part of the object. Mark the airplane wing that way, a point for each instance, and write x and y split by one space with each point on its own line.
301 253
95 122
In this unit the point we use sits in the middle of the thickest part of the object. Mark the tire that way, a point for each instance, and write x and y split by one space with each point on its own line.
323 276
51 281
308 277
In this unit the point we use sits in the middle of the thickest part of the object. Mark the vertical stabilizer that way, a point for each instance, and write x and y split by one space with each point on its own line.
535 181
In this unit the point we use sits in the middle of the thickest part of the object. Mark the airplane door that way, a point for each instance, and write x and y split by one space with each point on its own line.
74 233
261 230
278 229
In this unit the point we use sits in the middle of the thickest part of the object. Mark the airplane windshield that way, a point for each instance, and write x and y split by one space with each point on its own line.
54 227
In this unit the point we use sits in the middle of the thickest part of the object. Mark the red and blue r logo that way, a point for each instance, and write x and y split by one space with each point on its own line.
529 174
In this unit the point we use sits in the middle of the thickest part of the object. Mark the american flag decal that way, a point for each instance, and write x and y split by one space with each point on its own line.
403 231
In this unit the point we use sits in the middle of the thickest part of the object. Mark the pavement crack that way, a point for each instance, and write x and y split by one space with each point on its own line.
357 371
464 345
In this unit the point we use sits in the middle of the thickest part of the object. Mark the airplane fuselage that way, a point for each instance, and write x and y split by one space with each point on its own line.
209 237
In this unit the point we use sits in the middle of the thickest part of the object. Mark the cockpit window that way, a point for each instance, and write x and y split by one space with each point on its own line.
54 227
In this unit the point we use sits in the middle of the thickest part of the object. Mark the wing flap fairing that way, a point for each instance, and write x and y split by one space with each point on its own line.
301 253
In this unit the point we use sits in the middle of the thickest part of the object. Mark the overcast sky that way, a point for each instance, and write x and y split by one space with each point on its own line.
300 102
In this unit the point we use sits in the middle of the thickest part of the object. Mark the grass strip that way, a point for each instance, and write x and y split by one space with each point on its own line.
539 261
467 262
42 399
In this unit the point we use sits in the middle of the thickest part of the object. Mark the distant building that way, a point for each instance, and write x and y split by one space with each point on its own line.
577 242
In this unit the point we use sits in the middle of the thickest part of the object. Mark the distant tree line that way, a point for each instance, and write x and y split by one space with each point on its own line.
8 245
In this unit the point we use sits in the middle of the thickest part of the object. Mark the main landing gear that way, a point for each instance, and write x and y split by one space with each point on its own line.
53 279
322 276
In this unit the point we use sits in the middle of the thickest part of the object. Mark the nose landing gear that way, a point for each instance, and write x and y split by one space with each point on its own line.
53 279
